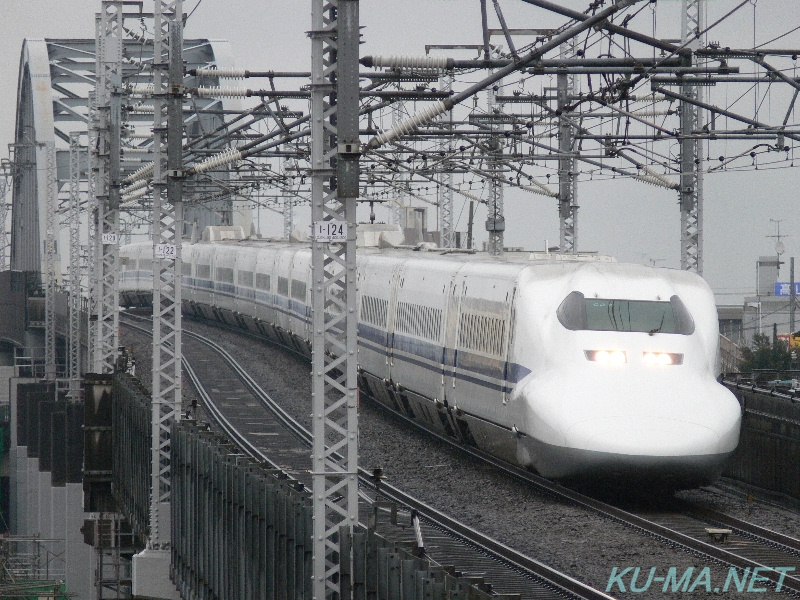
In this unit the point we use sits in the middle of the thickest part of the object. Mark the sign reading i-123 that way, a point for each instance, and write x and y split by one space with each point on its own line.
330 231
784 288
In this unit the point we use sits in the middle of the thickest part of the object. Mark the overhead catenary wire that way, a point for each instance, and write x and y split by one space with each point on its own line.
431 112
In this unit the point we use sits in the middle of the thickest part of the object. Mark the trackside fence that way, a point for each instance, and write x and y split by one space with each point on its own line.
768 456
242 531
130 451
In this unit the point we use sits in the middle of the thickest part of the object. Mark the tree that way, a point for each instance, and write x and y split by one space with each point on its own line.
764 354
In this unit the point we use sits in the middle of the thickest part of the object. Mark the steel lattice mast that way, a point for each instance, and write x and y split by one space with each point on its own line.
446 176
4 187
49 151
495 220
334 170
691 191
108 96
567 163
93 239
74 220
397 209
288 202
167 233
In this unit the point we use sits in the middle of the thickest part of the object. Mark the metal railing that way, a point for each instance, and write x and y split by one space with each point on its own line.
768 455
242 531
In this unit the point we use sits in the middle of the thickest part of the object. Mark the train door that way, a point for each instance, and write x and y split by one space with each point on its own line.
375 280
457 290
481 356
395 287
509 344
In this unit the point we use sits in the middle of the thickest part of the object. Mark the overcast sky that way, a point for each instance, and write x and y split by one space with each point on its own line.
630 220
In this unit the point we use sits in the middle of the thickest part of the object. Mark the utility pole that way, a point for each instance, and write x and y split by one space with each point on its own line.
792 299
691 189
780 247
335 157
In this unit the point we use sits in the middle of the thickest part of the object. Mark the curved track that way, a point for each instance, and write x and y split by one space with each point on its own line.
685 524
262 429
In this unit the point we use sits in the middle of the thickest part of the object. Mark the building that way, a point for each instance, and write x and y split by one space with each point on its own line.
768 311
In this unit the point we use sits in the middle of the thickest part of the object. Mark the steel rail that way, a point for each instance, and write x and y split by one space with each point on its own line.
767 536
211 407
686 542
760 534
507 554
752 387
432 515
560 582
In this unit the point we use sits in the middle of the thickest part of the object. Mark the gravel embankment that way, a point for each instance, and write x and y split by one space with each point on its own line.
571 539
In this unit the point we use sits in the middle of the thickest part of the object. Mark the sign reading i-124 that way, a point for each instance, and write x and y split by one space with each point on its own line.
330 231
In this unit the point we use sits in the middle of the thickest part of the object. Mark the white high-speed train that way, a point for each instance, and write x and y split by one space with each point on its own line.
580 368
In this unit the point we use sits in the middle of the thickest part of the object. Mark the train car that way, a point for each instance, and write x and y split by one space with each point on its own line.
577 367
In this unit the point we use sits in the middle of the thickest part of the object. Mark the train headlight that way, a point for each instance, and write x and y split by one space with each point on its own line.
662 358
606 356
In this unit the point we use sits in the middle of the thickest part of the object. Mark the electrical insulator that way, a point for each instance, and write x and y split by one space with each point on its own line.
223 92
226 73
412 62
223 158
539 190
130 198
426 115
142 173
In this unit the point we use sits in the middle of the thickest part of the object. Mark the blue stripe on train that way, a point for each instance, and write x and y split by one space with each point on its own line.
423 354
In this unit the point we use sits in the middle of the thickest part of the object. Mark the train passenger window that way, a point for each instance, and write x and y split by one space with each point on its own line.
224 275
603 314
298 289
204 271
283 286
262 281
245 278
186 268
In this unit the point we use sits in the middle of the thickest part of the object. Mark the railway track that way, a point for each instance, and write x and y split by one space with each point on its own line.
262 429
703 531
746 547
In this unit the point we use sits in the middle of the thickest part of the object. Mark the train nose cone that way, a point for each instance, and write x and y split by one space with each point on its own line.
648 436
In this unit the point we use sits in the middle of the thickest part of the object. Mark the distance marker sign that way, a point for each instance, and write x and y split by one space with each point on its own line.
330 231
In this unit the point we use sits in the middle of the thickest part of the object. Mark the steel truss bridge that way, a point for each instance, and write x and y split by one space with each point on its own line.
140 132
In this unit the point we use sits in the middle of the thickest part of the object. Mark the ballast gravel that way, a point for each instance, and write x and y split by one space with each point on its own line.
589 547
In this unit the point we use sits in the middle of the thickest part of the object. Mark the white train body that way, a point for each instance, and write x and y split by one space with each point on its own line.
580 370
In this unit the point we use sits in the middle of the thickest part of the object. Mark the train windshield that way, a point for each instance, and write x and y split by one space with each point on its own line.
579 313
